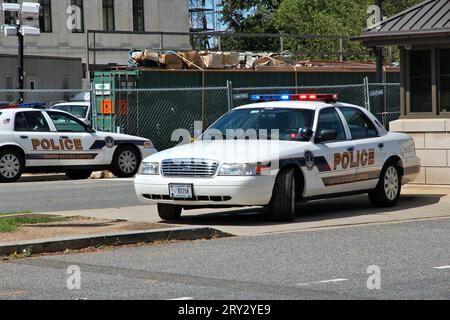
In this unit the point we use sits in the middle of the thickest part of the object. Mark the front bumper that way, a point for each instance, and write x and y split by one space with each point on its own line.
215 191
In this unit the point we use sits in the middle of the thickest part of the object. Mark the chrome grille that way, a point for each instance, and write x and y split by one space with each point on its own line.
189 168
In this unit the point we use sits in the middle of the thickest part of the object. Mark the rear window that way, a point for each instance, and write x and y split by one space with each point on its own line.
77 111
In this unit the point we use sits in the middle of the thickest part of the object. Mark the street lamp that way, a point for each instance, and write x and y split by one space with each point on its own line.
27 24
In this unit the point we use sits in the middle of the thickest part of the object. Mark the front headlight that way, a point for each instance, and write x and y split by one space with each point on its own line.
236 169
149 168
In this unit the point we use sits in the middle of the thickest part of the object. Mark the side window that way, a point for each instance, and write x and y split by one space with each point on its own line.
330 120
31 121
361 127
66 123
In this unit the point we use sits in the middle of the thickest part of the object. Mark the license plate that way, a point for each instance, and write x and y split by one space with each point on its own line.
181 191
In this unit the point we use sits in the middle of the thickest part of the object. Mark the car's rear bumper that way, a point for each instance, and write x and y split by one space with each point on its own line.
411 169
217 191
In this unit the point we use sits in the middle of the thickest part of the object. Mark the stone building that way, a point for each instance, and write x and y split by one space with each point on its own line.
423 34
64 29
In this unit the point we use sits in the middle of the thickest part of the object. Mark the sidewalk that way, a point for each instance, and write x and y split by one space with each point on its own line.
418 202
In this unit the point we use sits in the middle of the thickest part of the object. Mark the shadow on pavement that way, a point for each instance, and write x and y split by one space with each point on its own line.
43 178
309 212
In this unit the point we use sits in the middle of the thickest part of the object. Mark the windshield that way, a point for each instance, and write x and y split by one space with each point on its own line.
251 124
77 111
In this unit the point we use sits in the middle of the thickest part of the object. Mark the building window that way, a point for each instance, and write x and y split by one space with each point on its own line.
138 15
444 83
10 17
420 81
78 22
108 15
45 18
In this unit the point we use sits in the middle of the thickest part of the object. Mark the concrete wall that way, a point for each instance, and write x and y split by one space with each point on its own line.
167 15
47 73
432 138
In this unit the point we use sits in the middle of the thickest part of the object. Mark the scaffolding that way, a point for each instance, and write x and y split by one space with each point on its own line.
203 19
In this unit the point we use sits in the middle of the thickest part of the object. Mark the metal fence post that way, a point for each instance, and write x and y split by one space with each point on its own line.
367 93
230 95
94 115
341 49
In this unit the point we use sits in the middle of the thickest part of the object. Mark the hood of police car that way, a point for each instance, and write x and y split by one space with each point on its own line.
234 151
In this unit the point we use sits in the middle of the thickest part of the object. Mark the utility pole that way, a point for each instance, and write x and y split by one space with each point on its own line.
20 63
26 24
379 50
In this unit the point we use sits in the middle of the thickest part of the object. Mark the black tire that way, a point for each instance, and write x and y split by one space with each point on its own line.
169 212
12 165
126 162
285 195
79 174
389 188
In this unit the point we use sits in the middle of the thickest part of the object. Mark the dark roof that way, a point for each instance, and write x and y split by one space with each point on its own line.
428 19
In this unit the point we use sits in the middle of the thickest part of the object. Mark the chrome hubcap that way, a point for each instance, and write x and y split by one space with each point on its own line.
9 166
391 182
127 162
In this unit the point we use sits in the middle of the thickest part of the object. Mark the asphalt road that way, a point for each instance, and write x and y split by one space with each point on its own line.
414 260
48 196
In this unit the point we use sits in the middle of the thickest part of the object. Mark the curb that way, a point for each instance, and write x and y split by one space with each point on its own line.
126 238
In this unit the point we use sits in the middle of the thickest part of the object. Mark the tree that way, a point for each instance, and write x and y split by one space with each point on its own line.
322 17
250 16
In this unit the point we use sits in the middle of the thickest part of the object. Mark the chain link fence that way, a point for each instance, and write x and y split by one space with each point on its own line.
384 101
158 113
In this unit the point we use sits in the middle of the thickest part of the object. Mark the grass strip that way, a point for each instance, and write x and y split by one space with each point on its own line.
15 213
11 224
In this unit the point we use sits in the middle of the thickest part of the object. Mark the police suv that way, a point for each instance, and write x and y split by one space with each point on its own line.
278 152
55 141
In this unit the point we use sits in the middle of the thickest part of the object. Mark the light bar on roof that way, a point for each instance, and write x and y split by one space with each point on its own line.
295 97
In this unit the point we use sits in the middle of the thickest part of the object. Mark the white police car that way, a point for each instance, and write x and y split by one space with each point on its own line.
278 153
54 141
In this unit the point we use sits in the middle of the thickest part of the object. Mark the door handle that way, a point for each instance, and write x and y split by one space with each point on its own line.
23 137
351 149
64 137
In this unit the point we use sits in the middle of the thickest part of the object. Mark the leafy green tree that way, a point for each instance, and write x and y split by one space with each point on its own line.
309 17
250 16
322 17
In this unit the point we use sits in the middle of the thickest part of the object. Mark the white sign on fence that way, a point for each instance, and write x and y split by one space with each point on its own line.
376 93
102 89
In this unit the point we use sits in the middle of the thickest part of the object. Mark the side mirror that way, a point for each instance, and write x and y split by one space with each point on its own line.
306 133
326 135
89 128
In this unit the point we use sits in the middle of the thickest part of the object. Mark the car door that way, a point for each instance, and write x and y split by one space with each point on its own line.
369 150
331 157
77 142
33 132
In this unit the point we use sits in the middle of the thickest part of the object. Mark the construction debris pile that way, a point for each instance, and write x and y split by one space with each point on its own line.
202 60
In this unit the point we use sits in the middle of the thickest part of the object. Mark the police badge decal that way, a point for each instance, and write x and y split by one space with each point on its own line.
109 142
309 160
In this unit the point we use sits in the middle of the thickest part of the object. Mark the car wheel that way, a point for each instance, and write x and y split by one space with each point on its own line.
169 212
79 174
12 165
388 190
284 199
126 162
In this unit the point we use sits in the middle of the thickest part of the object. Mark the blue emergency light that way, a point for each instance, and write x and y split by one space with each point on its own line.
25 106
294 97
